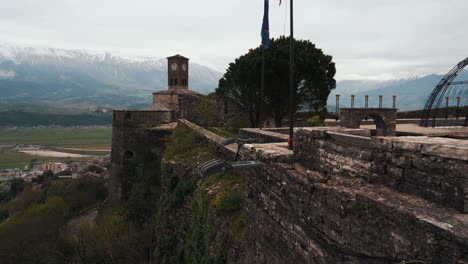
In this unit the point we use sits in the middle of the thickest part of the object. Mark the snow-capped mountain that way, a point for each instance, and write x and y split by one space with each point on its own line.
88 78
46 55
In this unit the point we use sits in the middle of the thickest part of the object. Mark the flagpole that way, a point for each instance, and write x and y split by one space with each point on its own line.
261 87
265 45
291 80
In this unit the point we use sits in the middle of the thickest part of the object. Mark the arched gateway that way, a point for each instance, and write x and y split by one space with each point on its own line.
384 119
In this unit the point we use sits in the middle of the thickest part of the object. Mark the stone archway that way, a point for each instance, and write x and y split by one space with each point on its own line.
384 119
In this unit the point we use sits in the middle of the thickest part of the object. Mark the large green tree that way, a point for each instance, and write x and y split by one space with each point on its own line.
313 80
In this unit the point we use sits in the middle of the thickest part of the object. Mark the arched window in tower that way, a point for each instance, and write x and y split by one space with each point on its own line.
128 155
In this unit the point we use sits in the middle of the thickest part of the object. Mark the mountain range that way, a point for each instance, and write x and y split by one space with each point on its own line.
82 79
46 79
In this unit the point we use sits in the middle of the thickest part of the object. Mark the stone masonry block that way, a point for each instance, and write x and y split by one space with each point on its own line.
402 160
384 143
395 172
461 170
407 145
447 151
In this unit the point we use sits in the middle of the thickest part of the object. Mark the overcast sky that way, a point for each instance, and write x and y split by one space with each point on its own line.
369 39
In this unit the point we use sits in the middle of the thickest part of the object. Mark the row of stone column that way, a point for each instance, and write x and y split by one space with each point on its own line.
366 101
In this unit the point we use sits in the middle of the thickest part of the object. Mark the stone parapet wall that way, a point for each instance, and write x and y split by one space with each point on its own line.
208 134
263 136
277 135
139 118
433 168
295 214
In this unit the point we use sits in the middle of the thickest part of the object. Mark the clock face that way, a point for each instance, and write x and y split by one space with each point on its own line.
184 67
174 66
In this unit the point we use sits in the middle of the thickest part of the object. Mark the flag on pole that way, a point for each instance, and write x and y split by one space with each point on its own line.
265 28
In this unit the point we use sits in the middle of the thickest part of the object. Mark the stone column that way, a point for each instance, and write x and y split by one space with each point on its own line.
337 107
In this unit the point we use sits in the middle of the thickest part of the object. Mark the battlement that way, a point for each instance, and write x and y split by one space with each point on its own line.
140 118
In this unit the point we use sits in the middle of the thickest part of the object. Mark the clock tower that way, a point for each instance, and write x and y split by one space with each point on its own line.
177 72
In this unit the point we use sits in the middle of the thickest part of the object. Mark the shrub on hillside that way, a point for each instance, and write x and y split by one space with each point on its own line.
80 193
315 120
95 169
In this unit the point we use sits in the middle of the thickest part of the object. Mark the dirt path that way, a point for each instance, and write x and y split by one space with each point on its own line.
53 154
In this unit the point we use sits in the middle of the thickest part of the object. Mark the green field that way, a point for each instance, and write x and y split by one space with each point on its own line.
12 160
77 138
58 137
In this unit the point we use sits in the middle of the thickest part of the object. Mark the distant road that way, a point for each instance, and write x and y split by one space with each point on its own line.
53 154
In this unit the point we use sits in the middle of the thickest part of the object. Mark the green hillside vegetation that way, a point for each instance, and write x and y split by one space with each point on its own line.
187 222
178 219
33 219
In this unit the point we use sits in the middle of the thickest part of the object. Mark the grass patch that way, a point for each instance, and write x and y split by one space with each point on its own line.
228 200
188 147
63 137
223 181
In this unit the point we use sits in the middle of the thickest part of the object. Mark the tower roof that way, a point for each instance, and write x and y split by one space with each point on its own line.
179 92
178 56
157 107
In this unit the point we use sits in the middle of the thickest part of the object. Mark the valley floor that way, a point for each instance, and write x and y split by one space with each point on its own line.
53 143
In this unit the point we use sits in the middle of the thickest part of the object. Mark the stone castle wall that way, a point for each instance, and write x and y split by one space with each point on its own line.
190 109
300 210
139 118
433 168
170 101
297 216
265 137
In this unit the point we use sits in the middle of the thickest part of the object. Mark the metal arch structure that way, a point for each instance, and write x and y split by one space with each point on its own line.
443 89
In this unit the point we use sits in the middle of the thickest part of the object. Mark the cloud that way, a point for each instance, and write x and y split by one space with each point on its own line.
367 38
